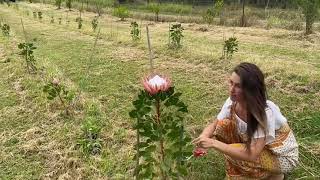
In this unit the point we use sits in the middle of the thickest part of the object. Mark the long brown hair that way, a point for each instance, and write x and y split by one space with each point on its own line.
255 96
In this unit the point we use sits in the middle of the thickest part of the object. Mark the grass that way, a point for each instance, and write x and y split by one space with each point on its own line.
36 141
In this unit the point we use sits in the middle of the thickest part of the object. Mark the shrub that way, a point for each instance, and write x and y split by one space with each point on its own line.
94 23
121 12
27 52
176 35
135 31
163 145
58 3
230 47
90 142
56 90
40 15
5 29
154 8
69 4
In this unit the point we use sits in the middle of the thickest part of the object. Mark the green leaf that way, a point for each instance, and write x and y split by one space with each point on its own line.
170 91
133 114
46 88
70 95
52 93
145 110
137 103
183 109
50 97
173 100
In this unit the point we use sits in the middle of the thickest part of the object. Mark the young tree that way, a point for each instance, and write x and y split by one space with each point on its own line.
155 8
58 3
68 4
310 10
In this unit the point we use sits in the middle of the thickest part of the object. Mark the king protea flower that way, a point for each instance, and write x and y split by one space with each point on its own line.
156 83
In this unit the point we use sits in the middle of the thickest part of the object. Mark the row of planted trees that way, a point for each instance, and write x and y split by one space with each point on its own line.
310 9
175 32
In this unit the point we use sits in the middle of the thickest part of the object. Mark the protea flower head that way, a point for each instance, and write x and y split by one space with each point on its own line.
55 81
156 83
198 152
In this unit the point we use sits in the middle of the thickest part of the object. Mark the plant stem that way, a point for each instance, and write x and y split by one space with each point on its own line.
162 154
138 149
63 103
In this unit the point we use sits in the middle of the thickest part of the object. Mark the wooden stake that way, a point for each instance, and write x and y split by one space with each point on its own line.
150 51
93 51
24 32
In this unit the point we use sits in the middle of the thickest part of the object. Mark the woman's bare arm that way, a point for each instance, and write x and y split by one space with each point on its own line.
208 131
240 153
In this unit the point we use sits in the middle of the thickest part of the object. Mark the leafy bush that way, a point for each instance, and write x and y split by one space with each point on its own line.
90 142
208 16
56 90
80 23
40 15
52 19
154 8
58 3
5 29
27 52
211 13
163 146
176 35
121 12
230 47
34 14
94 23
69 4
135 31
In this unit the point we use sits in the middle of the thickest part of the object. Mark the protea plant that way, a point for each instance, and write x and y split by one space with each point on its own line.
163 146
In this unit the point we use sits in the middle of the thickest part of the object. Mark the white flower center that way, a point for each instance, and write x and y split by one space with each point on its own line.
157 81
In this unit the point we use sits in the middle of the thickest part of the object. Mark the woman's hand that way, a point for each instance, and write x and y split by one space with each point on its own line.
204 142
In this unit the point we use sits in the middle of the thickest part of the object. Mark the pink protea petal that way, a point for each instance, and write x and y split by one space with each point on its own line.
154 90
147 86
168 84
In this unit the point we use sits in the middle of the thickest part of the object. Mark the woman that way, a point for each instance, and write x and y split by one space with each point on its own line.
251 131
